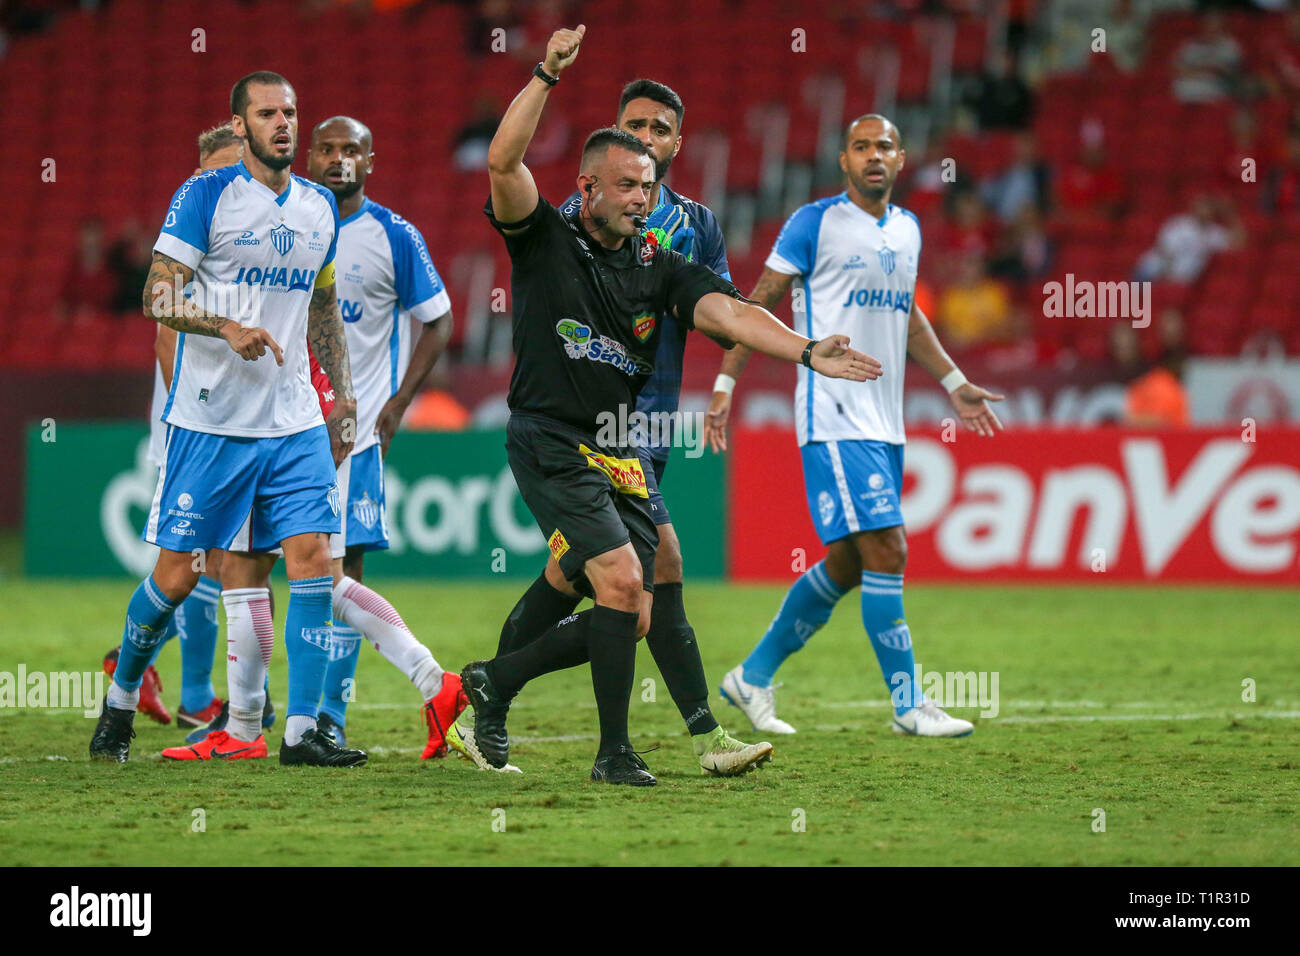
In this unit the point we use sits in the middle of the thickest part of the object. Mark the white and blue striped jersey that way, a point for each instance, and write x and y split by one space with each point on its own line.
385 275
856 276
257 257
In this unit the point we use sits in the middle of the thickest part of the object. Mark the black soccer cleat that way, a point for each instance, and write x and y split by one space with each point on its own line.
490 710
317 750
623 767
113 733
332 729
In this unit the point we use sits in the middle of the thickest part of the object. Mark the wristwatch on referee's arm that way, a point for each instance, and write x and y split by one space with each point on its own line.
541 74
807 353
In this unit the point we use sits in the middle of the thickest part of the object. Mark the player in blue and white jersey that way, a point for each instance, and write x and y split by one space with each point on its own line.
653 113
245 262
855 257
385 278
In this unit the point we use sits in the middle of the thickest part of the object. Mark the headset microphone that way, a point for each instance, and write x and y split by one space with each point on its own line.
599 221
638 221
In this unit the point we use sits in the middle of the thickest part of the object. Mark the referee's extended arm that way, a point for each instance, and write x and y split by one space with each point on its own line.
723 317
514 194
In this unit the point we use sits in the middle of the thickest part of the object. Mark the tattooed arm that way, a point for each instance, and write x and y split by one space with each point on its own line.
329 343
770 290
165 303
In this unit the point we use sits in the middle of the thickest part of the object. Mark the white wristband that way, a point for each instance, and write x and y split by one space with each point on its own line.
724 383
953 380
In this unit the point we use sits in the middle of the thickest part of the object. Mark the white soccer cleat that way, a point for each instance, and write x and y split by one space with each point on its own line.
725 756
757 703
461 740
929 721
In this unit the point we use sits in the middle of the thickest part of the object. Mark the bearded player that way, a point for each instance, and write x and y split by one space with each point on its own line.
386 277
245 439
855 256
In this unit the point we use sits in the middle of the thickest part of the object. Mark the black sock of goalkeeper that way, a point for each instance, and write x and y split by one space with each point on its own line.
563 645
539 609
611 642
672 642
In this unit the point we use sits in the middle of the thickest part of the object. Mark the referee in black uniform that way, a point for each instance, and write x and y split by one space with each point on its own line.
586 291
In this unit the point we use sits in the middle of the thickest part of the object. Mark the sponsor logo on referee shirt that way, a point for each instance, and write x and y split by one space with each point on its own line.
580 343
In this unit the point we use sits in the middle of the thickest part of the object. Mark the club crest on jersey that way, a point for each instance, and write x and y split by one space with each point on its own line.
643 326
887 261
282 239
825 507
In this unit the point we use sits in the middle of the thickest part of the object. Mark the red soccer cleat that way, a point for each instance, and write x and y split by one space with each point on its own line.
200 718
150 704
440 712
219 745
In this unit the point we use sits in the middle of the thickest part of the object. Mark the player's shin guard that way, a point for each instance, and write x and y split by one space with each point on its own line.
340 676
358 606
148 616
196 620
882 616
537 611
250 637
672 643
308 630
611 643
806 608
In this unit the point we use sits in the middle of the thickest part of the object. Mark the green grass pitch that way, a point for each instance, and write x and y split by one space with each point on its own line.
1123 700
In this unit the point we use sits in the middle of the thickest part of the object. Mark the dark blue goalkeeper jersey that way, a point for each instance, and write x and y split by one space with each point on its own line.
663 390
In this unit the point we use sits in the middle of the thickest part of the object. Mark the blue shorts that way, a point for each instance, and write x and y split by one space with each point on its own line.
852 486
654 473
213 489
367 523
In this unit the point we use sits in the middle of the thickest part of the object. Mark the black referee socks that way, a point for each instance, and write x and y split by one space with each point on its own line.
539 608
611 642
672 642
561 646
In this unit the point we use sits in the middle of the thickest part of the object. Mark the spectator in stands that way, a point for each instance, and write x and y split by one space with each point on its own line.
1158 398
1281 59
975 310
1089 187
475 136
1282 192
89 285
129 259
1125 37
1208 66
1186 241
1022 184
1000 98
1124 351
1024 251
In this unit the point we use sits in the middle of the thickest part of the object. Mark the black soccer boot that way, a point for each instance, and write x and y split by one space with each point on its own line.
490 710
331 728
113 733
623 766
317 750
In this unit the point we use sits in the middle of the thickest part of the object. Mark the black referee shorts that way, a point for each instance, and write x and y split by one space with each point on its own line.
586 499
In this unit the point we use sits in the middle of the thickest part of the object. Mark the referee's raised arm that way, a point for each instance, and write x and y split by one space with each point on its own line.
514 194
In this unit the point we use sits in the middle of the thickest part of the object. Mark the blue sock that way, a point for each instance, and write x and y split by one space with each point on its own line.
882 616
196 620
339 676
173 628
148 617
307 632
807 606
